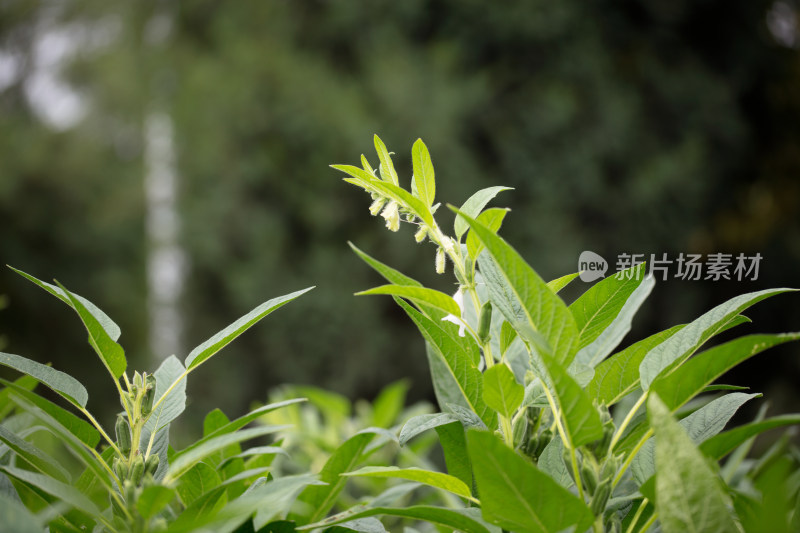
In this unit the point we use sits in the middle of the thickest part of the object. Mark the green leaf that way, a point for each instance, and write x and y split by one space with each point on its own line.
454 445
524 299
64 384
389 403
551 462
360 178
391 275
404 198
242 421
184 460
75 445
386 167
700 425
507 336
432 297
691 378
449 518
427 477
362 525
198 480
689 496
501 391
721 445
618 376
604 314
17 518
77 426
491 218
108 325
423 181
581 420
321 498
111 354
34 456
473 207
559 283
153 499
460 364
222 338
421 423
24 382
679 347
517 496
168 373
64 492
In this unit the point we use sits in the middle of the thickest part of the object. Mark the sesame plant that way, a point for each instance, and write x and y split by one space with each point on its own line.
62 471
545 424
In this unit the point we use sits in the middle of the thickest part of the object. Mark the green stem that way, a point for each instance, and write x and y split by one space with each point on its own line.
626 421
630 457
567 442
94 422
638 515
508 431
649 522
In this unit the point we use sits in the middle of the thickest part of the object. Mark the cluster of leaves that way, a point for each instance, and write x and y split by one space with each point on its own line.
545 424
82 479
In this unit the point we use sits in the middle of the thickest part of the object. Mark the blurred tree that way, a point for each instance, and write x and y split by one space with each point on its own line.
641 126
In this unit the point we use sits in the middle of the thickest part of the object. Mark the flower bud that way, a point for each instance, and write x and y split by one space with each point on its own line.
149 395
421 233
589 477
123 430
376 206
485 323
120 469
440 261
137 380
600 498
151 465
137 469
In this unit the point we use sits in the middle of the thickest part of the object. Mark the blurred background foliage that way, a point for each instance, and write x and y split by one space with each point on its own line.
641 126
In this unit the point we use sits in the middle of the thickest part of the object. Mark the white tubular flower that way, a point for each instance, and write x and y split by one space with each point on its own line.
392 216
459 298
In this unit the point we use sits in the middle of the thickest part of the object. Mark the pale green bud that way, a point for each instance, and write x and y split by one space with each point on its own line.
421 233
376 206
440 261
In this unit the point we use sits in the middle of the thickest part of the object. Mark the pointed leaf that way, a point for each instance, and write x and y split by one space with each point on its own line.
198 480
492 219
34 456
689 495
427 477
321 498
457 520
501 391
618 376
559 283
168 373
473 207
423 180
551 462
675 350
386 167
721 445
111 354
62 491
404 198
108 325
581 420
517 496
691 378
184 460
603 327
391 275
423 295
454 445
524 299
421 423
77 426
64 384
458 362
700 425
221 339
359 177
